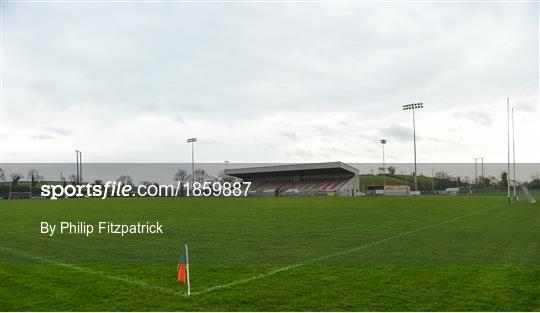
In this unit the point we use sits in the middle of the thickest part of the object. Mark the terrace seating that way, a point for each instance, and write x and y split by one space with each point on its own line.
300 187
331 184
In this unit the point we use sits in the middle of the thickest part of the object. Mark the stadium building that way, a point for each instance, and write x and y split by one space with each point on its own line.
325 179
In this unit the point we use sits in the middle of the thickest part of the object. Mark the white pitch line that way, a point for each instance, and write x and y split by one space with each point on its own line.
98 273
329 256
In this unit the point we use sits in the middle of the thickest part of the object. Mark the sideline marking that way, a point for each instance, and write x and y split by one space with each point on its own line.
329 256
99 273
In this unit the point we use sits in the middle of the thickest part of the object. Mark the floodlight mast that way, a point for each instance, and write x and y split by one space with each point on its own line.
383 142
414 107
192 140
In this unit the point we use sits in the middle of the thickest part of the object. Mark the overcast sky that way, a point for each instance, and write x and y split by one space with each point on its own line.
263 82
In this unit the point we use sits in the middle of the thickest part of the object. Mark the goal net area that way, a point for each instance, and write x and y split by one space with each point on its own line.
458 191
520 191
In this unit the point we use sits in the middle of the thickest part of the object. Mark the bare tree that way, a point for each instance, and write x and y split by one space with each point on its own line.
2 175
15 177
391 170
181 176
202 176
443 175
34 176
125 179
73 179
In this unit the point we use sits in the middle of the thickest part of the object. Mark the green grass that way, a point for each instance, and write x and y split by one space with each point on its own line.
469 253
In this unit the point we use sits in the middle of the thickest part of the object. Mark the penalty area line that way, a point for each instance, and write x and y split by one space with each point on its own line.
136 282
333 255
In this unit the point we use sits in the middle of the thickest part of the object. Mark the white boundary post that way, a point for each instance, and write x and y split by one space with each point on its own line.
187 270
514 157
508 175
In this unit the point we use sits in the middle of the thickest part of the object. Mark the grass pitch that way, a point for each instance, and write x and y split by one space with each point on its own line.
467 253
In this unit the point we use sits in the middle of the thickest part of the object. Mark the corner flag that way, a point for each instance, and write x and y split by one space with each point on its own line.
182 271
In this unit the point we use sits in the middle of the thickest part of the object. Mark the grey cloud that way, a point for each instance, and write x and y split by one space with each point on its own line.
526 106
440 140
149 107
329 130
398 133
42 85
199 108
360 59
42 136
304 153
480 117
289 135
205 141
367 54
57 130
454 129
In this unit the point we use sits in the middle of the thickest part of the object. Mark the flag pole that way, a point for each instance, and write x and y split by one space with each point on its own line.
187 270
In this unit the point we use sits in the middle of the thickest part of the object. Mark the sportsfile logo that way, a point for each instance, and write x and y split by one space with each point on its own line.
118 189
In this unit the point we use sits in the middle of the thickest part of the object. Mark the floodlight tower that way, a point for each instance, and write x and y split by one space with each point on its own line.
383 142
192 140
414 107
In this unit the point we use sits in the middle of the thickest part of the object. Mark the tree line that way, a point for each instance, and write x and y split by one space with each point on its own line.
200 175
441 180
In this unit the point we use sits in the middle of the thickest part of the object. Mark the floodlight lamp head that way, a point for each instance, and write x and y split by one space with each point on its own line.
413 106
192 140
383 141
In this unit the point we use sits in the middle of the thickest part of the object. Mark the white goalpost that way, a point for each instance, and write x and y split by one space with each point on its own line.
512 183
